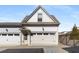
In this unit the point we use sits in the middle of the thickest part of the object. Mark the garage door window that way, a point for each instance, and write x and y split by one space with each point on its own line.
33 34
39 33
4 34
52 33
10 34
16 34
45 33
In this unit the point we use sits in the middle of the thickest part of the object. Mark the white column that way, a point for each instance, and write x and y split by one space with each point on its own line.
56 37
20 38
28 38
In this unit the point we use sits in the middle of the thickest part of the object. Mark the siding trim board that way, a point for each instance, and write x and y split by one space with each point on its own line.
20 25
40 24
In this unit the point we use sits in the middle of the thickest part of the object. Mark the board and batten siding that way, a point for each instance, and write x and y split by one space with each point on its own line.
45 17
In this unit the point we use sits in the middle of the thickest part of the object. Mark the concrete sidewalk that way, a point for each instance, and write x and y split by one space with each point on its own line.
54 50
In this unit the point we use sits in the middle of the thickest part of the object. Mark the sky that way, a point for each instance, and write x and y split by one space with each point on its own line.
67 15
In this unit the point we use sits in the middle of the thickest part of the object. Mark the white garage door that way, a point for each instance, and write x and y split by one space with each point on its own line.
42 38
10 39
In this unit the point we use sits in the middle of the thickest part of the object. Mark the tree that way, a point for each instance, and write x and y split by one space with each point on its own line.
74 35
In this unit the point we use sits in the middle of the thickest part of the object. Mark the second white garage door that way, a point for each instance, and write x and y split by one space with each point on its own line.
42 38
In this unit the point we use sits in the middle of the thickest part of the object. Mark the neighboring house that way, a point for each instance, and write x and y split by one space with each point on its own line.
39 28
64 39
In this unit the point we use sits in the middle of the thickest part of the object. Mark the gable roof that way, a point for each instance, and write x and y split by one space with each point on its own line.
51 16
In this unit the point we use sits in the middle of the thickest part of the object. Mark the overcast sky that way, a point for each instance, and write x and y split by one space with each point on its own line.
67 15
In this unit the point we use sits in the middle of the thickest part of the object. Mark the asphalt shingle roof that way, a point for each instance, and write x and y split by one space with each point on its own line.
10 24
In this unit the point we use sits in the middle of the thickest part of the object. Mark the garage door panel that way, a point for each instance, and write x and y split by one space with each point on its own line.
9 40
46 38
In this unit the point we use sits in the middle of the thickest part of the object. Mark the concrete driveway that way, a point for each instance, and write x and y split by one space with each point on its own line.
33 49
23 50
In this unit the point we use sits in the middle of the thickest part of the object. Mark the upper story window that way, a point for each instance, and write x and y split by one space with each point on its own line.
39 17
